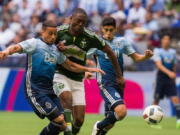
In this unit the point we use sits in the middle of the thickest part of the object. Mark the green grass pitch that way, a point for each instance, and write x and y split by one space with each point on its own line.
20 123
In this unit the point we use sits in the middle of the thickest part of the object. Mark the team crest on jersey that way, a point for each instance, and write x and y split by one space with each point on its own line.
83 43
117 95
50 58
48 105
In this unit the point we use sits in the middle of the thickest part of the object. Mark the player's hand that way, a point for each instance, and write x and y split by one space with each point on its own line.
121 82
148 54
172 75
3 55
96 70
88 75
61 46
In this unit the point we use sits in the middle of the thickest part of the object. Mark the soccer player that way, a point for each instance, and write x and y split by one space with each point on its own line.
165 60
43 57
76 40
115 109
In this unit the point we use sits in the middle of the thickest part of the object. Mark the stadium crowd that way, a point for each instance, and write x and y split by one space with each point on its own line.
142 22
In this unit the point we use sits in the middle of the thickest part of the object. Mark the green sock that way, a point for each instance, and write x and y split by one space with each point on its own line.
67 115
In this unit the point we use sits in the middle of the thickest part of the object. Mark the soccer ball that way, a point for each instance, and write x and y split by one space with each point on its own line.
153 114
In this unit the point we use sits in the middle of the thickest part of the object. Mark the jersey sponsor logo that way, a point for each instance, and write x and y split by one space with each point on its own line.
76 52
50 58
48 105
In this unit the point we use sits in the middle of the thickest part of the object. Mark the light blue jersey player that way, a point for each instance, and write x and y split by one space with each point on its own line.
112 94
43 57
42 60
165 60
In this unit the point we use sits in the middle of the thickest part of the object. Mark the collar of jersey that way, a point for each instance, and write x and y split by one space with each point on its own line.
44 41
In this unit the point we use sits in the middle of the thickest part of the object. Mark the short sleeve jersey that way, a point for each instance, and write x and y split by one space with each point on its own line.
42 62
119 46
77 47
167 57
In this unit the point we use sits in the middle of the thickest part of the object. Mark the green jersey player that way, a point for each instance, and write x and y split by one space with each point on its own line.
75 40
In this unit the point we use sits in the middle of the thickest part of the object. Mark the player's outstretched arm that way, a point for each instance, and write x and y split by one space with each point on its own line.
10 50
113 59
79 68
139 57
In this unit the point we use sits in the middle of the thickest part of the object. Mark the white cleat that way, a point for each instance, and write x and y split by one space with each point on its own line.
95 129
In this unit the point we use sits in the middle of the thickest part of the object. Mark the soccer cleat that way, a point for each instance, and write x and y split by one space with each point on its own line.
178 124
95 130
68 130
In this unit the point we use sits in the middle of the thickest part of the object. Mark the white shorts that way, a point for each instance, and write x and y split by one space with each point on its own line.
62 83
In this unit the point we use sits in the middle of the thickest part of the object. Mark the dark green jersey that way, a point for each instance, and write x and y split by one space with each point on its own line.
77 47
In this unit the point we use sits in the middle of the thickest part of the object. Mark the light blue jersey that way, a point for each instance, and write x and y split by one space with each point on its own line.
42 61
119 46
167 57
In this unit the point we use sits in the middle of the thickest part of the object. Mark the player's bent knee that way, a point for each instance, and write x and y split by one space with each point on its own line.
59 119
120 111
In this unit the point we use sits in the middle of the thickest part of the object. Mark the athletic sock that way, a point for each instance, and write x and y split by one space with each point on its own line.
67 115
110 119
177 108
52 129
75 129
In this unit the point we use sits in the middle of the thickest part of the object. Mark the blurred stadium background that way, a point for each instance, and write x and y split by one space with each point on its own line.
142 22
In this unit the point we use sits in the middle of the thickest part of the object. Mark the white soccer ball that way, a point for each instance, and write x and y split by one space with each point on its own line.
153 114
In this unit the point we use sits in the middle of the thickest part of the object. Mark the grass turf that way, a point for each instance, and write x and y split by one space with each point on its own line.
21 123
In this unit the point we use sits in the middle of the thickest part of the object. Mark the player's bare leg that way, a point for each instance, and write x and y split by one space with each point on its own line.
66 101
78 118
175 101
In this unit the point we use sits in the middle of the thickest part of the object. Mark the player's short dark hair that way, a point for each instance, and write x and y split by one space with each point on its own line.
49 24
165 34
108 21
79 11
